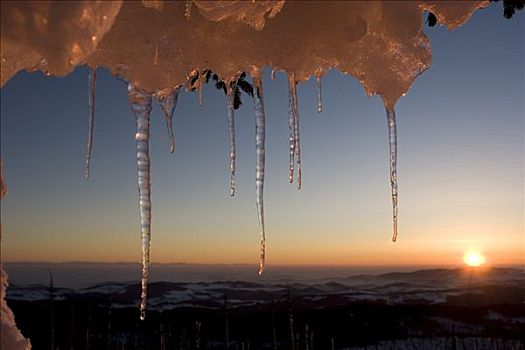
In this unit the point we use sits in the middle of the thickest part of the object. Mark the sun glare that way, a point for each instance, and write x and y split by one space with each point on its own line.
473 258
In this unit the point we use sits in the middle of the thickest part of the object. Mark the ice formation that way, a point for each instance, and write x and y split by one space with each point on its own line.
319 95
231 132
157 45
238 10
293 125
141 105
381 43
91 119
392 140
167 100
260 134
52 36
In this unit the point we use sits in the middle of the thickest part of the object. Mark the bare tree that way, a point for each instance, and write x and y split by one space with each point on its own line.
51 291
306 337
226 322
108 324
198 325
88 328
290 320
274 334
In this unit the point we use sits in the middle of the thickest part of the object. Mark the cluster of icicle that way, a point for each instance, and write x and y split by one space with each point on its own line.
141 105
381 43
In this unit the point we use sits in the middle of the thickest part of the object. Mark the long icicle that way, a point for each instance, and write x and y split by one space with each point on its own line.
231 130
260 159
291 127
141 105
292 85
168 102
91 119
319 95
392 137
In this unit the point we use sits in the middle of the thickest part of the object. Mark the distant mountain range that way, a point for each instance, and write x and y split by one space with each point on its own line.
477 286
464 308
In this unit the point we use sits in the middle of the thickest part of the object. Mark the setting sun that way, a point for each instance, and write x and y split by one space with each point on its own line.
473 258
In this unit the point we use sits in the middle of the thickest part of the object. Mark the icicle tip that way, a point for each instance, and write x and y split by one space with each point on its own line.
261 269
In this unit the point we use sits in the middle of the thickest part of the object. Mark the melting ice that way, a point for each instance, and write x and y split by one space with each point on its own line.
91 119
141 105
260 159
231 132
167 100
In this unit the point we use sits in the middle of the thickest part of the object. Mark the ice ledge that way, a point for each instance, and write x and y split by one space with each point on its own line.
158 44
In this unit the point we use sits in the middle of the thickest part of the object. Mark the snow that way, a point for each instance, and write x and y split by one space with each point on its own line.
52 36
251 13
382 44
11 338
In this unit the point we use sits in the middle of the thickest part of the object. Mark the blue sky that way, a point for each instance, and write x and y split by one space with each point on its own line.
461 167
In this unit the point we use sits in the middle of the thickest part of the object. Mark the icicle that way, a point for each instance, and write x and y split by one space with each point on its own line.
291 127
91 119
141 105
319 96
168 101
292 90
259 169
231 129
392 136
202 80
187 10
156 56
272 75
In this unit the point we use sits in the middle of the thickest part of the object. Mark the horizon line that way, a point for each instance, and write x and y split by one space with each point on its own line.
78 262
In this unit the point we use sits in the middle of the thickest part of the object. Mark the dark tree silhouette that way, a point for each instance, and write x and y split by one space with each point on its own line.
431 19
509 9
240 85
511 6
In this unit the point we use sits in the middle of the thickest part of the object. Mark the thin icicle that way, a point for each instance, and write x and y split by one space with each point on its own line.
187 10
231 128
297 140
259 169
272 74
91 119
392 136
156 56
168 101
202 80
319 95
292 88
291 127
141 105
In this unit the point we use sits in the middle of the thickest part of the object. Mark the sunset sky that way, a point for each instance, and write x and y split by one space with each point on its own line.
461 167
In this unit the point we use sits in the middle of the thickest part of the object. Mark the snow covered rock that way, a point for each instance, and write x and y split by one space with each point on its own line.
10 336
